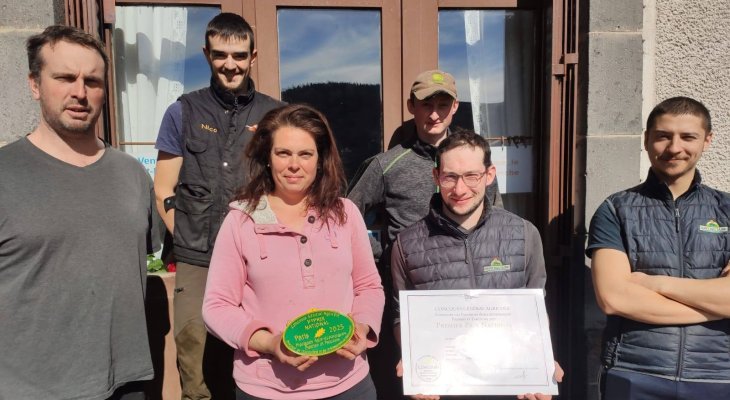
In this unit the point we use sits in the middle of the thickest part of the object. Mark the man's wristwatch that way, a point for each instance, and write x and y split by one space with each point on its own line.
169 203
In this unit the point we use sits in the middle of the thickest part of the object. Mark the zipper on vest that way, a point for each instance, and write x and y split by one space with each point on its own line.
681 275
466 251
232 120
680 362
467 261
676 219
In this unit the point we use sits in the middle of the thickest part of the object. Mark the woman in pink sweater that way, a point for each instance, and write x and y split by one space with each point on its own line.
290 244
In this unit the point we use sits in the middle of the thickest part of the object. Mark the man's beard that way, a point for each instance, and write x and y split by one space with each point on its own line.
74 127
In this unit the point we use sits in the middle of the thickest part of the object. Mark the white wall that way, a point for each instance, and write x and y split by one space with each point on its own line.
19 19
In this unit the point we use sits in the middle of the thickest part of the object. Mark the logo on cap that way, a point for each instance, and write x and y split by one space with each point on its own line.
437 78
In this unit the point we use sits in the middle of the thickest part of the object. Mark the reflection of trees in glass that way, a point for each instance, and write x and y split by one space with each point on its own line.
343 44
354 113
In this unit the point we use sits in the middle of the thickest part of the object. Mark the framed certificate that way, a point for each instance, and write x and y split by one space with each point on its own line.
476 342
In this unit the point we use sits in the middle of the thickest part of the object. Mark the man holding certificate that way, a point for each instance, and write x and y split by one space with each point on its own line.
465 243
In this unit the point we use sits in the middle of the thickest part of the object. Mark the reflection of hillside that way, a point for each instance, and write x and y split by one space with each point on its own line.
354 112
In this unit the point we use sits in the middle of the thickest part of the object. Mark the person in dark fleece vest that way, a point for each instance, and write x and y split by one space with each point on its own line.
463 233
200 167
659 263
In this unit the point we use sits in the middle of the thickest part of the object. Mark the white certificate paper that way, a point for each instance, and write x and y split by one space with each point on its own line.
476 342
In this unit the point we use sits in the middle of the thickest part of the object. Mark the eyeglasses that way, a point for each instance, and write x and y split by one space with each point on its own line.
470 179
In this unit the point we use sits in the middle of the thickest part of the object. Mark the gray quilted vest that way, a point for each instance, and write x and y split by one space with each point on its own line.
684 238
440 256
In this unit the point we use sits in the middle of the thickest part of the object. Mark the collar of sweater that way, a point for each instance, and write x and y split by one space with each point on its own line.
420 147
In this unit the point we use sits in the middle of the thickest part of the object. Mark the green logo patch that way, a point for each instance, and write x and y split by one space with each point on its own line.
437 78
496 266
713 227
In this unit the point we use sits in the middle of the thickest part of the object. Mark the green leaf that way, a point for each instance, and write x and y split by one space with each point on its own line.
154 264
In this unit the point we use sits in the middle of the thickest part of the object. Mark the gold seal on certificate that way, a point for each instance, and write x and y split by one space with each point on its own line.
318 332
476 342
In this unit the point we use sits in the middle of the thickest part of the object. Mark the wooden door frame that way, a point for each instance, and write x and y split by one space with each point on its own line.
97 17
558 189
565 201
420 32
268 50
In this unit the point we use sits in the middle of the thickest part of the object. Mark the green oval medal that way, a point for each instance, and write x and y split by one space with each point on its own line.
318 332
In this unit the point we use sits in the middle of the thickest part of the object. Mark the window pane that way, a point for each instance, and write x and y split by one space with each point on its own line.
330 58
492 55
157 58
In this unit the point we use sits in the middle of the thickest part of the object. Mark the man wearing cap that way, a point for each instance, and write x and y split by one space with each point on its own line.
399 181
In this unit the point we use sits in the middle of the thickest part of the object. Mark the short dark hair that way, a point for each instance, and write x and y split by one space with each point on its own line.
464 137
60 33
329 184
680 105
229 26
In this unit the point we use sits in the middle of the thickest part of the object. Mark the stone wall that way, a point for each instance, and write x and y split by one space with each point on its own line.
18 20
635 56
612 75
692 58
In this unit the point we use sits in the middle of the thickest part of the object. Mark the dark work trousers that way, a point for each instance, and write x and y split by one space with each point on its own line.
205 363
364 390
625 385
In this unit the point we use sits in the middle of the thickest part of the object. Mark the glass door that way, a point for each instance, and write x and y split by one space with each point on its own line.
157 57
493 56
330 58
352 48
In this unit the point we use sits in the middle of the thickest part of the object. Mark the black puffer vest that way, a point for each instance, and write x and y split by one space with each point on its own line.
687 238
215 136
440 256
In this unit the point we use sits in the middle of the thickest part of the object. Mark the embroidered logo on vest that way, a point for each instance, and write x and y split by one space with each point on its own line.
713 227
209 128
496 266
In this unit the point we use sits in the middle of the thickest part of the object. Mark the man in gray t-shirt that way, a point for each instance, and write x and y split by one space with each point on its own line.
75 223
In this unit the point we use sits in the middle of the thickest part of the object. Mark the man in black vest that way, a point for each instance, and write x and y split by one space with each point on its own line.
659 254
200 166
462 243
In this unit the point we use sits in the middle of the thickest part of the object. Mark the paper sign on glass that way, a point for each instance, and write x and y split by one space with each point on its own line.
476 342
514 168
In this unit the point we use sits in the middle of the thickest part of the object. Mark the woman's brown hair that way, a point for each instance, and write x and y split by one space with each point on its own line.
329 184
